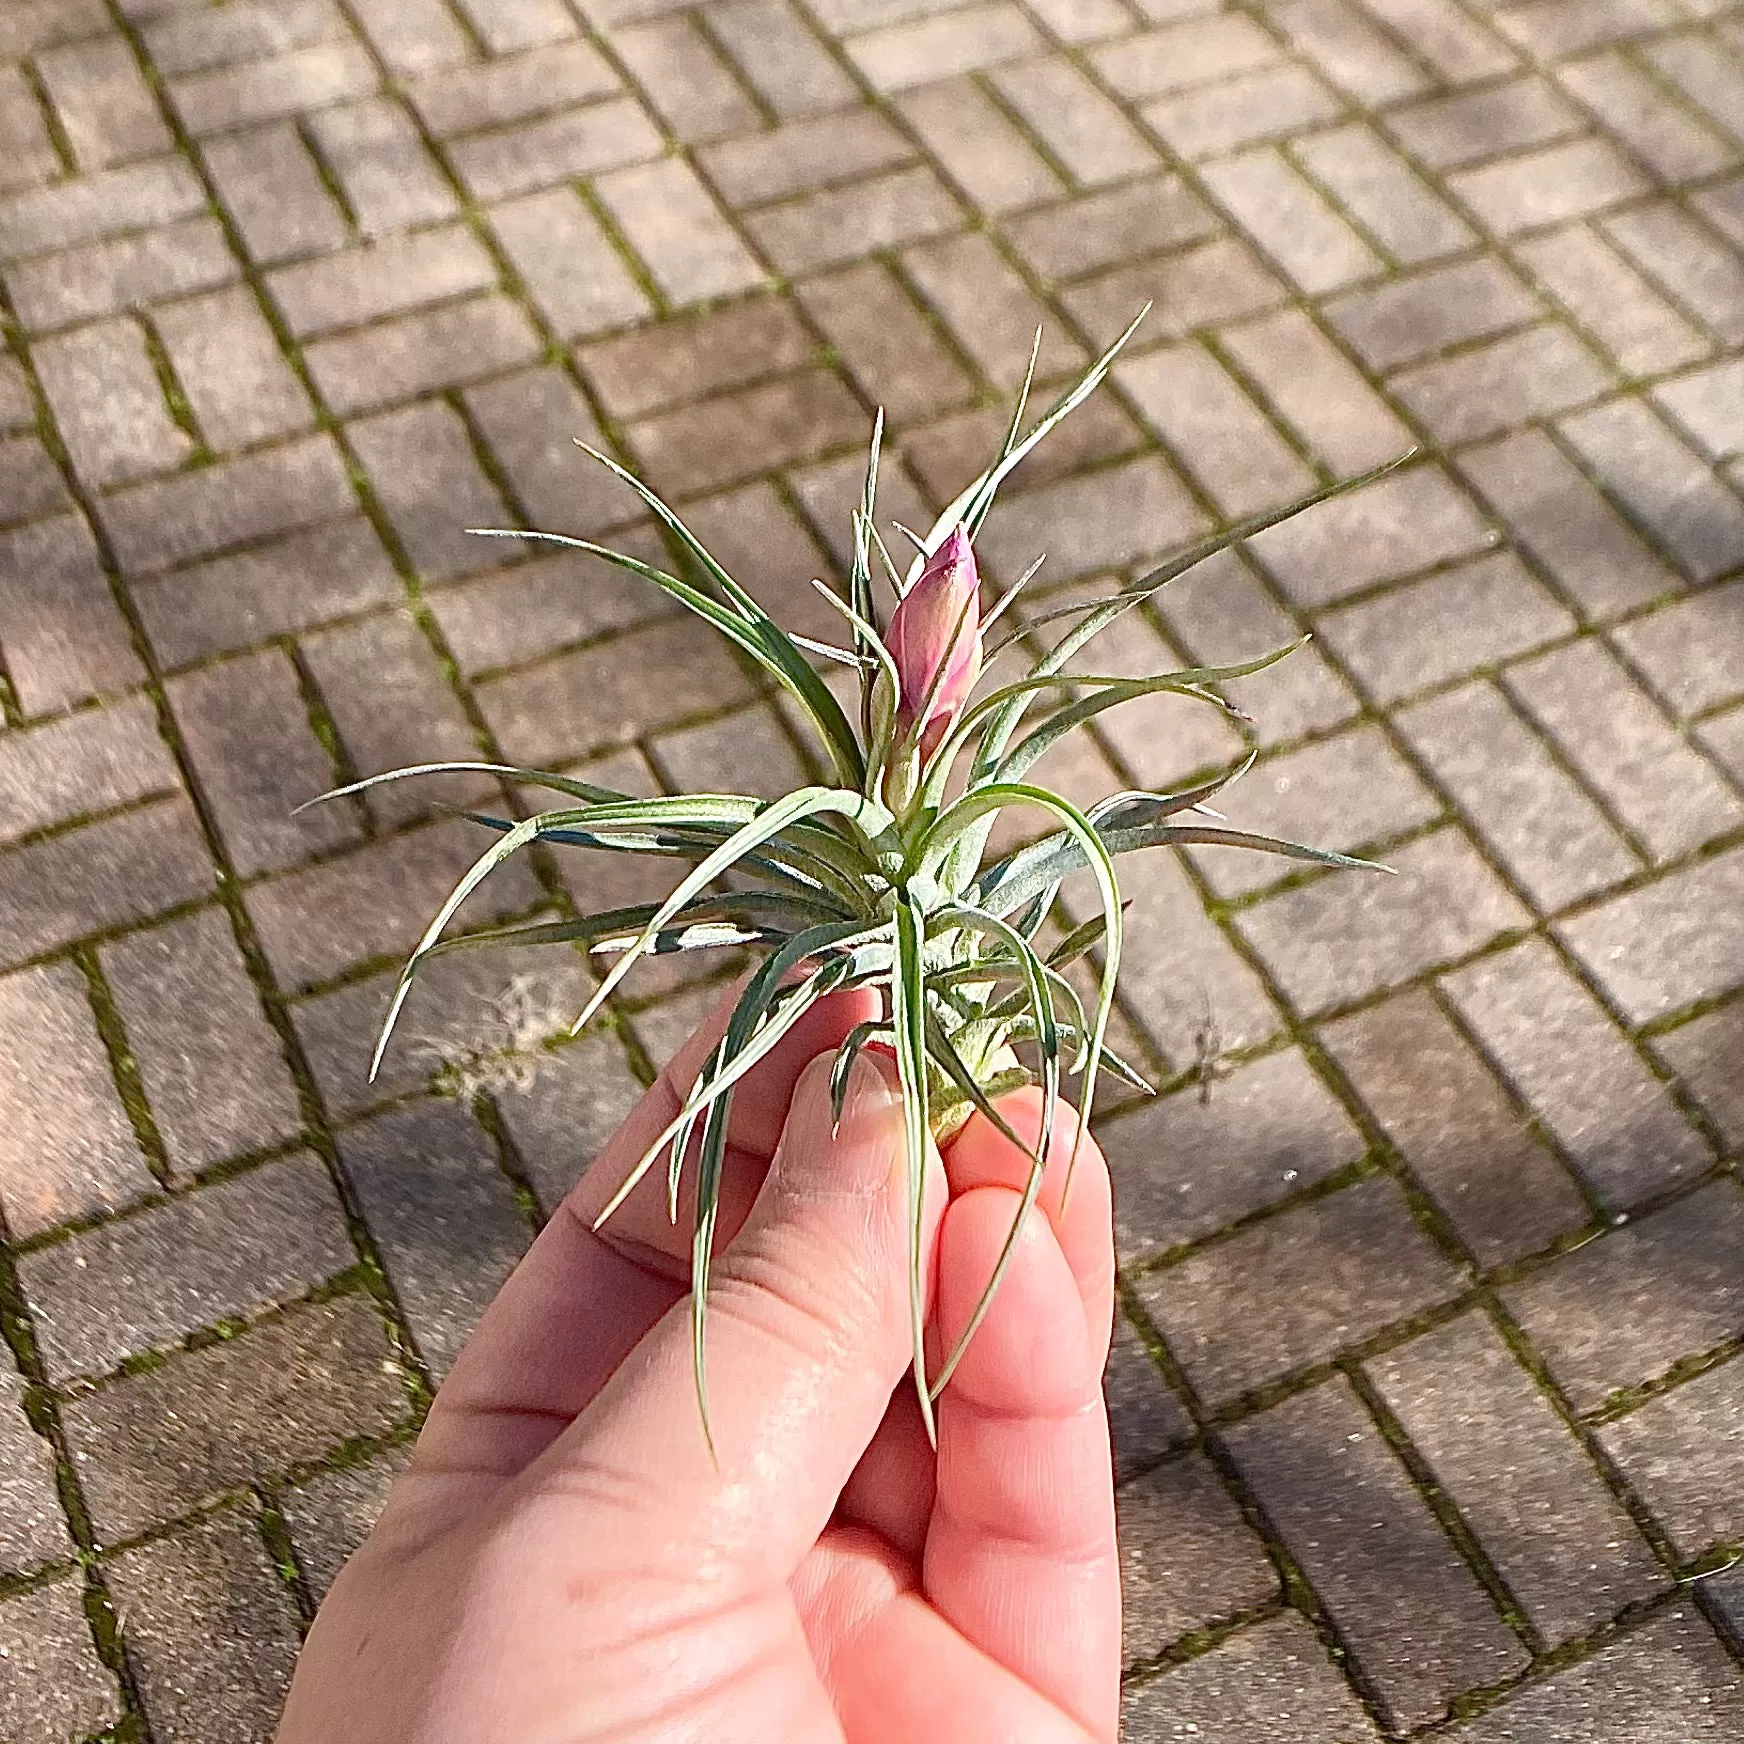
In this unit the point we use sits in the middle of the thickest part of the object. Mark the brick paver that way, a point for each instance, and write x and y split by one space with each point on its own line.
1434 1321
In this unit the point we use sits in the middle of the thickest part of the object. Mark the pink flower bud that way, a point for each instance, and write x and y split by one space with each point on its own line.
937 625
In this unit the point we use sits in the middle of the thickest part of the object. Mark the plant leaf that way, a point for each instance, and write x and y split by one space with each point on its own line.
908 1021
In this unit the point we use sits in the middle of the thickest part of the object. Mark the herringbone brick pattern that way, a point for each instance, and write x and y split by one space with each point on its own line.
1429 1389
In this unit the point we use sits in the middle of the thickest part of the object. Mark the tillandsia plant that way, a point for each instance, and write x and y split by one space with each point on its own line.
879 877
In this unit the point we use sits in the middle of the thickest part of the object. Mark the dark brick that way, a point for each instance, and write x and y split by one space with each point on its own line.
1530 813
1145 1419
211 1631
1420 1626
1683 1454
332 1514
425 474
154 1444
1704 1055
1667 1683
445 347
1668 944
1560 1540
1187 1557
1447 624
232 503
52 1684
63 638
31 1528
1661 788
1191 1163
1347 934
150 1280
442 1213
1296 1288
102 875
288 585
1588 1086
213 1068
1458 1133
1245 1689
1624 1309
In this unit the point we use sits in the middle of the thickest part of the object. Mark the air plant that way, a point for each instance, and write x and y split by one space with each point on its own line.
879 876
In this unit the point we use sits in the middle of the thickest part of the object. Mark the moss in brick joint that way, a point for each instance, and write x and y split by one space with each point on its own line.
124 1068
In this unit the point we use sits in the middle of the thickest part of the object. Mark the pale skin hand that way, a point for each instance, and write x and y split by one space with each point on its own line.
564 1564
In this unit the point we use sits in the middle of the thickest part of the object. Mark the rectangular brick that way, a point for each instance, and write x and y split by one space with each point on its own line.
1559 27
412 36
508 25
34 24
572 273
228 364
245 31
1411 318
1669 944
100 876
740 753
108 278
1145 1419
330 1516
1187 1556
1688 651
611 693
391 702
426 476
1622 1310
845 224
977 146
1295 1289
1534 374
157 525
444 347
147 1282
17 408
1609 1113
269 90
443 1215
1125 223
103 103
94 207
1393 527
1217 281
1377 189
30 482
1706 404
1551 838
1187 1165
540 154
720 440
282 1394
1183 54
495 93
30 156
1630 105
212 1067
103 388
1688 262
788 67
1548 186
887 345
274 193
1724 740
1663 791
67 1149
1322 397
1420 1627
1341 937
1086 133
1457 1131
215 607
1350 51
1562 1542
387 177
1449 132
54 1685
1557 515
802 156
377 901
686 82
82 763
670 220
212 1630
1315 248
1222 438
1443 35
934 48
1271 103
1701 1054
1681 1454
385 278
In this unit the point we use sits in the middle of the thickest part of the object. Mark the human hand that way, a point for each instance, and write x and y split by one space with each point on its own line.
563 1561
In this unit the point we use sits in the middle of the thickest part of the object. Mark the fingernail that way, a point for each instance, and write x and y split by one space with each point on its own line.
862 1154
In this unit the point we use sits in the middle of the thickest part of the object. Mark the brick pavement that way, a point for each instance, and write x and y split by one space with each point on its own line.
1428 1390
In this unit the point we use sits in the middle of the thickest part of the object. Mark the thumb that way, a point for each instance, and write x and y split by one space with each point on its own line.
808 1330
